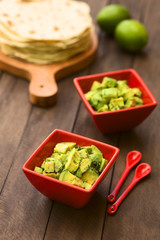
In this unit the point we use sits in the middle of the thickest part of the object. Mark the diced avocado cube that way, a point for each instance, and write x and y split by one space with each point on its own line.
85 164
55 155
88 95
78 173
96 160
87 185
139 101
109 93
60 156
70 145
133 101
63 147
78 182
90 176
95 85
130 103
43 164
95 150
53 175
49 159
96 99
58 166
122 84
137 92
104 108
103 164
73 161
100 105
83 153
116 103
109 82
68 177
88 148
128 93
113 108
38 170
96 157
49 167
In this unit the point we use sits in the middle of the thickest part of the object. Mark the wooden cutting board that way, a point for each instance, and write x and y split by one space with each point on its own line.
43 88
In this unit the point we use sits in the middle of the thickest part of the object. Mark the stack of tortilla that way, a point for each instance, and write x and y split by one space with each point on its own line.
44 31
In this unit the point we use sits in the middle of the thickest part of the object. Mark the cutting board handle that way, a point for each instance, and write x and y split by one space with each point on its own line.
43 87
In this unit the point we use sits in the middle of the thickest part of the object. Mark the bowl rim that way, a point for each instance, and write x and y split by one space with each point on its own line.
96 183
89 107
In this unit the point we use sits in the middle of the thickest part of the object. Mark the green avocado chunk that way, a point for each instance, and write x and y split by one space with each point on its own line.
49 167
68 177
84 166
43 164
88 148
58 166
122 84
104 108
63 147
103 164
73 161
83 153
88 95
90 176
62 157
96 150
110 93
87 185
53 175
116 103
133 102
96 157
96 85
38 170
49 159
96 100
109 82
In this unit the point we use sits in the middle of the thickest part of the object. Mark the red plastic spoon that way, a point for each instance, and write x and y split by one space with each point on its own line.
142 170
132 159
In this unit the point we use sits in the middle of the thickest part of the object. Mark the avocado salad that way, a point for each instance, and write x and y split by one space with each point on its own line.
77 165
112 94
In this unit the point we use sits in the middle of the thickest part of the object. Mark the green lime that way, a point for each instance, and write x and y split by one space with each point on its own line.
131 35
110 16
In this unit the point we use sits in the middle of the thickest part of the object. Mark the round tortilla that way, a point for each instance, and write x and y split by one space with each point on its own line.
45 31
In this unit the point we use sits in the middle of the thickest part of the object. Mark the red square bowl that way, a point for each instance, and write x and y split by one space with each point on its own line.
119 120
58 190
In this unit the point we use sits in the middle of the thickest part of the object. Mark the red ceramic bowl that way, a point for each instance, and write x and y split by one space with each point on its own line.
58 190
119 120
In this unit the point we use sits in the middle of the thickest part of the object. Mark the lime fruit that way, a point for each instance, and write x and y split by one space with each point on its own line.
110 16
131 35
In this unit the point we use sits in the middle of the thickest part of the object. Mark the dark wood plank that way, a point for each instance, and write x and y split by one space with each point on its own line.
138 217
14 117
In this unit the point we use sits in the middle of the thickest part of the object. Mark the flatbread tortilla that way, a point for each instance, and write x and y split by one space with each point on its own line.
44 31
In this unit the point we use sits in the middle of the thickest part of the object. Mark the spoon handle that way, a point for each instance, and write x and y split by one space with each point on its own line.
112 196
133 157
112 209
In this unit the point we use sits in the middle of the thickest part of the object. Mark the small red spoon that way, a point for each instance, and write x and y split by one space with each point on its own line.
132 159
142 170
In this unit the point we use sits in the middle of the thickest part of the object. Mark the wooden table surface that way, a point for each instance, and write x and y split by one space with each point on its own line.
27 214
